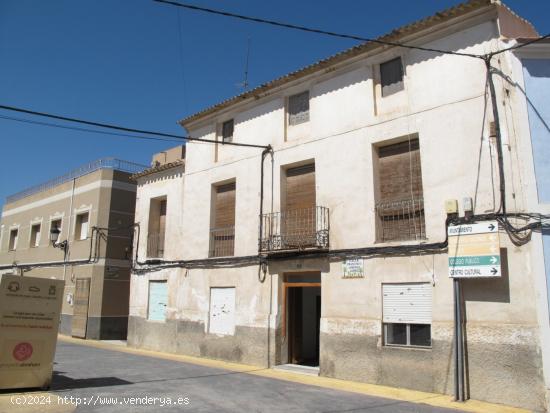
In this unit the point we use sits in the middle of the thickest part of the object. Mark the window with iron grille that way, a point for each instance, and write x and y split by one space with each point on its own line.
391 76
298 108
400 206
227 130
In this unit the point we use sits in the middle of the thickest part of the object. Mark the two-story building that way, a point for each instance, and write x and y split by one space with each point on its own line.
77 227
325 247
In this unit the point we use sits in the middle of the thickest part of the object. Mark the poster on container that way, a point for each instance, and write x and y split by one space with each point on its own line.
29 321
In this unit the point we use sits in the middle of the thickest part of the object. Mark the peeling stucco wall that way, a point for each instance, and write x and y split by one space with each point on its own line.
443 103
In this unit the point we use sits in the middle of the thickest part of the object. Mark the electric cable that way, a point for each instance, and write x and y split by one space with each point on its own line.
310 30
520 45
123 128
53 125
334 34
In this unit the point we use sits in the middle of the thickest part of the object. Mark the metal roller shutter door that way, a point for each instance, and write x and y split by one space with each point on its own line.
407 303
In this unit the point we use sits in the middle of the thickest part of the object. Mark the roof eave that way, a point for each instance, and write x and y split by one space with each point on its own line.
404 33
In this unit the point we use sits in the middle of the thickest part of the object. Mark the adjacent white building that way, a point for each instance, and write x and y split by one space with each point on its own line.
268 256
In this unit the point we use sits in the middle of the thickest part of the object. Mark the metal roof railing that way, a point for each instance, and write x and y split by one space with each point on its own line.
103 163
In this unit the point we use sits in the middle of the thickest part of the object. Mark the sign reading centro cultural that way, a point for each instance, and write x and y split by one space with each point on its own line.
474 250
29 320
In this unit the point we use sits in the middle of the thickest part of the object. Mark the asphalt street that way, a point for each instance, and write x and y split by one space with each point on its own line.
104 380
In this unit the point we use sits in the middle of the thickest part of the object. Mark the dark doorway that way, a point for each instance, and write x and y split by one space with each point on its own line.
303 302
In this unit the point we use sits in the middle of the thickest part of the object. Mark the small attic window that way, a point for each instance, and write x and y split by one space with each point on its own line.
298 108
391 76
227 131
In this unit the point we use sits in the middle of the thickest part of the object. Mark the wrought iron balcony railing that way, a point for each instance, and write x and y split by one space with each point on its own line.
401 220
155 245
295 229
222 242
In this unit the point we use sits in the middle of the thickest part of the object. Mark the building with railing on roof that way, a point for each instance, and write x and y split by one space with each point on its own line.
77 227
327 252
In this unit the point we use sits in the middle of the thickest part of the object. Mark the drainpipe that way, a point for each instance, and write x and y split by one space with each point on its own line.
266 151
67 254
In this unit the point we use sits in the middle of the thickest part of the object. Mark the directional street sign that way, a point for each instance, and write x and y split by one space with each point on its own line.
474 250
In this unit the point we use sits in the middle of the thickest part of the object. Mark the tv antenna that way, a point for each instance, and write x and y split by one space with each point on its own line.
244 83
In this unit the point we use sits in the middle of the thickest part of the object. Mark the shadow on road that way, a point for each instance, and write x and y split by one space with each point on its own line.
62 382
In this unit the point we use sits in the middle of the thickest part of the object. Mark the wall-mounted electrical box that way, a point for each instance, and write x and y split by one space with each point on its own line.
467 204
451 206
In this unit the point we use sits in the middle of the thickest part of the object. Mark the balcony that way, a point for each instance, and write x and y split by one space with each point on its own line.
155 245
401 220
298 229
222 242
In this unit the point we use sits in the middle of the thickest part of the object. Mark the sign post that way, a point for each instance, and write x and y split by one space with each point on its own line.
474 250
29 321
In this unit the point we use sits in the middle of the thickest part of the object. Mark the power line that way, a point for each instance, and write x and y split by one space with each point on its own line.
310 30
520 45
35 122
123 128
341 35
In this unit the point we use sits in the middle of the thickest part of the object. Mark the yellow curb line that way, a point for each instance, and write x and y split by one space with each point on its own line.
406 395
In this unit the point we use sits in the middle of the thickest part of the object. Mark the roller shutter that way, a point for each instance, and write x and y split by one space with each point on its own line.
407 303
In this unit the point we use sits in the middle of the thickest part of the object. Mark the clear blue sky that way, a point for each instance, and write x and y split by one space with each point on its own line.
119 61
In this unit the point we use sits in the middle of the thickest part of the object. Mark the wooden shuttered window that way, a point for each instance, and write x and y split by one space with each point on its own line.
157 228
299 216
400 207
300 187
399 171
225 206
222 235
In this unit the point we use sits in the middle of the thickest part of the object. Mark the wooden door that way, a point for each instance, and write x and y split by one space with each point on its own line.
295 325
80 308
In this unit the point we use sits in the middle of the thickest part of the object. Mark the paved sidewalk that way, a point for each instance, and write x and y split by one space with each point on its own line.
96 375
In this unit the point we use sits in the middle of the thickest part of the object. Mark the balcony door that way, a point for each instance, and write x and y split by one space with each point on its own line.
298 220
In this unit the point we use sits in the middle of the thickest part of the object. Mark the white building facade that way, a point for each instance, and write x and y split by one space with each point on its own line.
365 147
